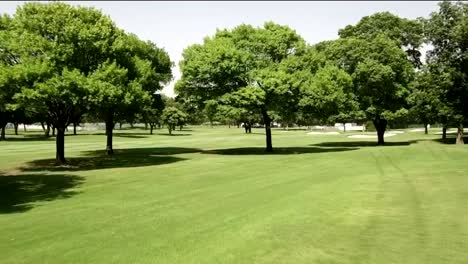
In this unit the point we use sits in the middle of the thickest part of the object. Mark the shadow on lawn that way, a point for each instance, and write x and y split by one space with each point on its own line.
363 143
451 139
122 158
276 151
19 192
173 135
28 138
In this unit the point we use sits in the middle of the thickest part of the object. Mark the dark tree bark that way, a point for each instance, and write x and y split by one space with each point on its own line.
24 127
460 134
53 131
74 128
444 132
60 146
380 126
344 127
146 126
43 127
47 131
15 125
151 129
169 127
267 122
2 134
120 125
109 133
425 128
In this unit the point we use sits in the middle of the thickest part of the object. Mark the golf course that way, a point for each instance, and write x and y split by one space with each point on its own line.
213 195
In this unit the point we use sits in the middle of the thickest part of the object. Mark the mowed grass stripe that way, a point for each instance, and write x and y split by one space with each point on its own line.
344 203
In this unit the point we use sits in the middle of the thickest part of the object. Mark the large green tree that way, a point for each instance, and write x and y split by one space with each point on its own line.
245 64
381 76
447 32
67 44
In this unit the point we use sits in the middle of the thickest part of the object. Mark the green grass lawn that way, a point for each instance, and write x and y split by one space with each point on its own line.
213 196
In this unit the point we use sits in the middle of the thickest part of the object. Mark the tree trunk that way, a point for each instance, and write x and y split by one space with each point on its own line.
2 134
344 127
47 131
74 128
151 129
425 129
109 134
180 128
15 124
267 122
460 134
53 131
169 127
444 132
238 125
43 127
380 126
120 125
24 127
60 146
146 126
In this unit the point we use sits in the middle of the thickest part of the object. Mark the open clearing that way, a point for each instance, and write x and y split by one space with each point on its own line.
213 196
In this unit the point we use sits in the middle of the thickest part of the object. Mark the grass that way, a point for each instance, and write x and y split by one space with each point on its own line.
214 196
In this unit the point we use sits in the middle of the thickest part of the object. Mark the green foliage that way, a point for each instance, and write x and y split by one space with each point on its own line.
172 117
446 31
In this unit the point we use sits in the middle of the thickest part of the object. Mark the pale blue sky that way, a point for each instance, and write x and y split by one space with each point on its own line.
175 25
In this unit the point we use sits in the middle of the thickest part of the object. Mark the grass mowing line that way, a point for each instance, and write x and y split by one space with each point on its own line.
313 207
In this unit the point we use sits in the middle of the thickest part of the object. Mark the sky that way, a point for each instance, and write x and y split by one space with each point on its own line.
174 25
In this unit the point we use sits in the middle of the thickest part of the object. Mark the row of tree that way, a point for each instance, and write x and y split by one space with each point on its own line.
58 62
373 71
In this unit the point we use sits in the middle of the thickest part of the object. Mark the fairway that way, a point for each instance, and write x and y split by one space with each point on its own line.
212 195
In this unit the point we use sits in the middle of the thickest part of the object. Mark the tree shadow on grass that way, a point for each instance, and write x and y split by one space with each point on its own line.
363 143
19 192
276 151
122 158
28 138
131 135
173 135
450 140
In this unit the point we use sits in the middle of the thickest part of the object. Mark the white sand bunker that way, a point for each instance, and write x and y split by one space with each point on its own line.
371 136
395 132
448 132
323 133
417 130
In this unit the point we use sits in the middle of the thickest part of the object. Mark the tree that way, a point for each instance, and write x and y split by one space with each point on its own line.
173 117
329 97
210 110
381 75
152 113
446 30
64 44
408 33
244 63
61 94
424 98
124 84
